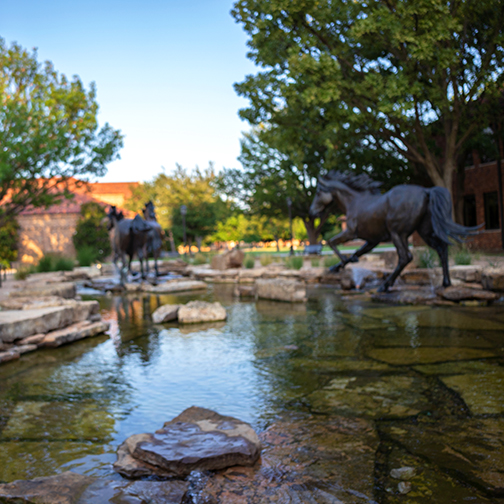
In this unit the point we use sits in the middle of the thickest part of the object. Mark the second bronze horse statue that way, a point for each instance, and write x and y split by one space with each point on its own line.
395 215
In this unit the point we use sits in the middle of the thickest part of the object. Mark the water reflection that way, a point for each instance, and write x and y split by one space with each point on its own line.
69 408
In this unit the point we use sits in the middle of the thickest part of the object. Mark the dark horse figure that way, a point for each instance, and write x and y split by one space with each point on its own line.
154 242
129 237
395 215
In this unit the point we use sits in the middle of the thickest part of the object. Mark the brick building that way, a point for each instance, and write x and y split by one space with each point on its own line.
51 230
481 197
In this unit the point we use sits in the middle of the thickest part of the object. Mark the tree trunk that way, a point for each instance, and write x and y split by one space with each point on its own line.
277 245
199 239
172 241
312 231
458 194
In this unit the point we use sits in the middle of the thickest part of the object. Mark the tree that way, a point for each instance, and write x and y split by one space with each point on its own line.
198 190
9 235
403 76
91 237
48 133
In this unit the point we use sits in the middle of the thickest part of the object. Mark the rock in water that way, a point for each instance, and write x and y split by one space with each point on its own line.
201 311
229 259
165 313
198 439
281 290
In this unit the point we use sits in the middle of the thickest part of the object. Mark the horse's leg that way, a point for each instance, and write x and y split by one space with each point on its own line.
439 246
405 257
368 246
335 240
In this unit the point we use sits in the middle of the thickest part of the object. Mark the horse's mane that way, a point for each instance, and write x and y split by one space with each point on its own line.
361 182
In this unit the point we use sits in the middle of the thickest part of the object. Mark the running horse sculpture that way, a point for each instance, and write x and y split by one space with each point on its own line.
154 242
395 215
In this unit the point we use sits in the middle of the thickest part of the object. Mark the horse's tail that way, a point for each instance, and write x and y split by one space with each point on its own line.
440 206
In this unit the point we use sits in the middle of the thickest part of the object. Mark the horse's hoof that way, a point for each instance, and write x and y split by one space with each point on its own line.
353 259
382 288
336 267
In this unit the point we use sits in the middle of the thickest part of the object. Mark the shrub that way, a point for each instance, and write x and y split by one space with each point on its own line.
331 261
90 232
86 255
54 262
315 263
249 262
199 258
266 259
427 258
462 256
294 262
23 272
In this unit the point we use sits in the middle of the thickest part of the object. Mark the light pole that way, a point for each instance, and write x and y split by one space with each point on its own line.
289 205
183 211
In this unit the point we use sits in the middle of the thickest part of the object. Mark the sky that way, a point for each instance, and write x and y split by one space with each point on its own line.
164 72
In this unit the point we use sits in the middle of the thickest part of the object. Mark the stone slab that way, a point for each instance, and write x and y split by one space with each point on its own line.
197 439
165 313
493 279
459 293
175 286
74 332
63 289
405 296
426 355
201 311
8 356
281 290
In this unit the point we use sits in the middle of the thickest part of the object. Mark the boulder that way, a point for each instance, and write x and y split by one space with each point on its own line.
201 311
198 439
245 290
165 313
459 293
281 290
493 279
229 259
62 289
175 286
422 276
406 296
466 273
73 332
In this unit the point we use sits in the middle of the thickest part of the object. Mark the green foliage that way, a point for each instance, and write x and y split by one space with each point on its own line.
249 262
197 190
86 255
200 259
331 260
49 132
91 239
54 262
462 256
23 272
315 263
266 259
9 234
427 258
367 85
294 262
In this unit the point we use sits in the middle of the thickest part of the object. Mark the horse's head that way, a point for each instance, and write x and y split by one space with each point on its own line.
112 217
323 198
149 212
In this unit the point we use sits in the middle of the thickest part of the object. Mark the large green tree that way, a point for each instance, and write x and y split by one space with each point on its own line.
403 76
48 132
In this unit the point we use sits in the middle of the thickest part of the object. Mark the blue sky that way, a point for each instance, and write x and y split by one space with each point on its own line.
164 72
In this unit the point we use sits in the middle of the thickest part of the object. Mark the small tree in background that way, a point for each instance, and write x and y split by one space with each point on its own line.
91 239
9 234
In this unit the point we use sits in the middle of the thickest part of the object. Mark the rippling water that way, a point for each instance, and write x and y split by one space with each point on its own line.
69 408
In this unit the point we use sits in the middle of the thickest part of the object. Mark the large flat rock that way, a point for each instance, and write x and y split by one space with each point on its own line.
201 311
279 289
72 488
493 279
175 286
198 439
62 289
73 332
165 313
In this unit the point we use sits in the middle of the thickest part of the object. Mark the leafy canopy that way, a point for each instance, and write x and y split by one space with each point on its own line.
48 132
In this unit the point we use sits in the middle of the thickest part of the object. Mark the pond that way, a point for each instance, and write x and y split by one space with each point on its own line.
427 382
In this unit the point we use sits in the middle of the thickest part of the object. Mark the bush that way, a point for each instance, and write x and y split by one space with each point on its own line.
92 234
249 262
462 256
200 258
294 262
23 272
54 262
315 263
331 261
427 258
64 264
86 255
266 259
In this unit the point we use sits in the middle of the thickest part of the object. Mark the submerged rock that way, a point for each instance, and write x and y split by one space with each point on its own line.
405 296
197 439
165 313
201 311
281 290
175 286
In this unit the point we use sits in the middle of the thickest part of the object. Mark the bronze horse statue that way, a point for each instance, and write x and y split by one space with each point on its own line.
129 237
154 242
395 215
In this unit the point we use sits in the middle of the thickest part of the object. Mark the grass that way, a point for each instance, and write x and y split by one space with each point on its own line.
462 256
54 262
315 263
86 256
427 258
294 262
266 259
331 261
249 262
